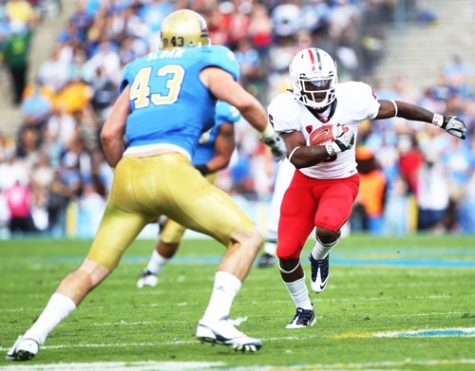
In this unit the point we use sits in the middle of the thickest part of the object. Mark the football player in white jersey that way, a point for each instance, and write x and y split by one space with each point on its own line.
325 184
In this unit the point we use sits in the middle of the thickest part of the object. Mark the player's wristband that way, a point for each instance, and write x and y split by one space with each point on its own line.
438 120
292 153
396 110
203 169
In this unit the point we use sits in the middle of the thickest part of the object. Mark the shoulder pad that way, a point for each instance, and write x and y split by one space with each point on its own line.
283 112
358 99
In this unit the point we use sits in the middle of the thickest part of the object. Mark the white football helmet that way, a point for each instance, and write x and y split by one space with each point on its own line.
313 77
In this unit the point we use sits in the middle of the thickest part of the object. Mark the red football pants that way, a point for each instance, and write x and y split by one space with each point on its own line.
310 202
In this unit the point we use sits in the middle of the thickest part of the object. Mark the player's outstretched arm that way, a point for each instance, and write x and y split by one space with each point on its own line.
113 130
222 86
390 108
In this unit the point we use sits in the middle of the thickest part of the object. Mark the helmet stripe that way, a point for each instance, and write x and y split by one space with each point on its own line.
312 59
319 60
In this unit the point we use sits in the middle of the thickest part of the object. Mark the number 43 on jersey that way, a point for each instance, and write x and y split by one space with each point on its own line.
140 93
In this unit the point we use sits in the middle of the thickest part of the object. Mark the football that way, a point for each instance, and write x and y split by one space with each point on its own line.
322 135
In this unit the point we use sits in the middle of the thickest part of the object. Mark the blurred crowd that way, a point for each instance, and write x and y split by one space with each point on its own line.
53 177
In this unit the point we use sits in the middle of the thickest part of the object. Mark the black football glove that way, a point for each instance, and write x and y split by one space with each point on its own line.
203 169
275 142
344 140
454 126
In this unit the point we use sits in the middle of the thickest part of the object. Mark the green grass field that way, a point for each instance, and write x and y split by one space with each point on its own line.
380 289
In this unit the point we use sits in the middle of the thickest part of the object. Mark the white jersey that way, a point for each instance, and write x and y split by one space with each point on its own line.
355 103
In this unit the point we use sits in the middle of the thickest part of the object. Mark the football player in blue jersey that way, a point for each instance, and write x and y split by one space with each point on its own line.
167 101
212 154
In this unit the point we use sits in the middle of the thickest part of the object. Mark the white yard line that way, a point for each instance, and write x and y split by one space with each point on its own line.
114 366
166 366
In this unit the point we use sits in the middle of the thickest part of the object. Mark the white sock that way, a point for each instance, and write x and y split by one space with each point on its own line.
270 247
299 293
225 289
58 308
156 262
320 250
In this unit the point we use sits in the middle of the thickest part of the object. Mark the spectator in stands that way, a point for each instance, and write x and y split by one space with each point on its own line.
260 29
91 206
29 142
286 19
249 62
81 20
459 164
60 128
458 74
16 52
397 210
410 160
107 61
58 197
105 92
19 202
55 71
369 205
36 106
432 193
20 11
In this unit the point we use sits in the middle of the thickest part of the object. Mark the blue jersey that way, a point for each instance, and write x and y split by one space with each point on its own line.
169 105
205 151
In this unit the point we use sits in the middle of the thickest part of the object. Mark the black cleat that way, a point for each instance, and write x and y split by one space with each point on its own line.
320 273
303 318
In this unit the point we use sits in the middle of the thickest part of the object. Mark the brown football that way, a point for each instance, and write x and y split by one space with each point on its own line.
322 135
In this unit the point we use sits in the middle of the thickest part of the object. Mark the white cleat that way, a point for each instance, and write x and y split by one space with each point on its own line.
24 349
223 332
147 279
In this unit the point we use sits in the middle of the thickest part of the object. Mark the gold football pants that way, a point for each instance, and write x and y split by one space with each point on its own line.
166 184
173 232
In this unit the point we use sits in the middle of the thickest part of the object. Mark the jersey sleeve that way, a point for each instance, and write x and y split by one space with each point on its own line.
283 113
126 77
372 105
224 58
226 113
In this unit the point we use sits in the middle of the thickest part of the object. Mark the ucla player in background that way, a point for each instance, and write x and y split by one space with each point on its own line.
212 154
167 101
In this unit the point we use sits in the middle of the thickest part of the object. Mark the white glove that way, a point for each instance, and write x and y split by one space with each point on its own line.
454 126
344 140
277 145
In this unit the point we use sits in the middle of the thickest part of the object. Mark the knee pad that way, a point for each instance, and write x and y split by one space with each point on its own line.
290 269
328 235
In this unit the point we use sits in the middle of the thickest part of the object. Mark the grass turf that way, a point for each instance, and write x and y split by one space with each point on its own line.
377 285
